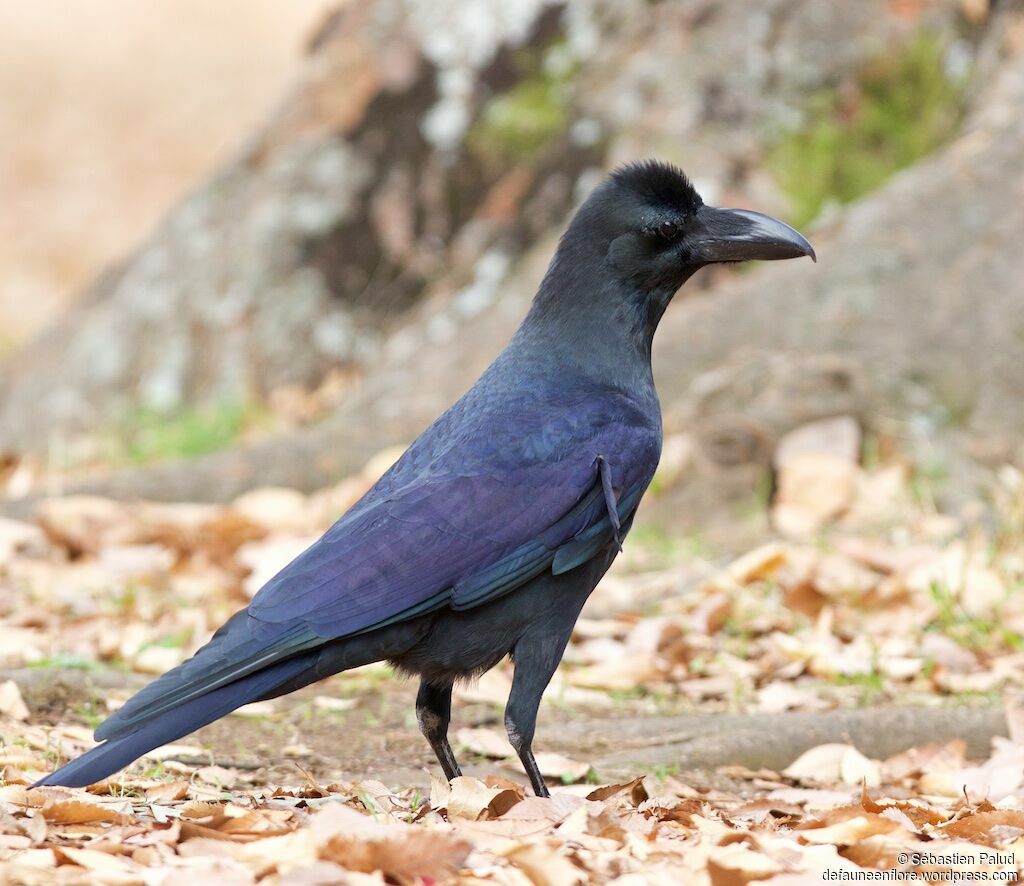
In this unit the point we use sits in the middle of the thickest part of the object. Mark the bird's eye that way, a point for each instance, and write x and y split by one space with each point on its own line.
668 230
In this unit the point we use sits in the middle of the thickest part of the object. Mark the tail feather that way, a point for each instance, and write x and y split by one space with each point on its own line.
235 651
151 725
118 752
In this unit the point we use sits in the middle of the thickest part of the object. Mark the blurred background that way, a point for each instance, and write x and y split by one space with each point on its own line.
249 249
229 224
111 114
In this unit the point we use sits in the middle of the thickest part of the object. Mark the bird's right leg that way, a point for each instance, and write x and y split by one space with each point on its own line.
536 656
433 713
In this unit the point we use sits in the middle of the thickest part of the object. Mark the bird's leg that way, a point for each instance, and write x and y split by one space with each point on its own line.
433 713
536 657
605 470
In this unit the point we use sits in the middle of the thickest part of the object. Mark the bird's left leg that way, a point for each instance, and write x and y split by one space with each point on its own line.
433 713
536 656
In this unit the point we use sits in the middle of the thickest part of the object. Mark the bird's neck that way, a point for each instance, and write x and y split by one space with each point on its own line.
585 323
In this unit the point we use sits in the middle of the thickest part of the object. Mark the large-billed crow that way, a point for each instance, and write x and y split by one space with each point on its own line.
487 536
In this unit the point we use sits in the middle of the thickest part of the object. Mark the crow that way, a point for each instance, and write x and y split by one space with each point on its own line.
487 536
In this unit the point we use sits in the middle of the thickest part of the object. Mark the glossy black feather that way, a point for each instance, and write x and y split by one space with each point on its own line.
486 537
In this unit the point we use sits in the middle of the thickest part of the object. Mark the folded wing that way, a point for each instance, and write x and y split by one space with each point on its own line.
455 541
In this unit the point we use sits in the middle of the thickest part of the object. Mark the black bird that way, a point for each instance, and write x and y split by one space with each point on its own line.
487 536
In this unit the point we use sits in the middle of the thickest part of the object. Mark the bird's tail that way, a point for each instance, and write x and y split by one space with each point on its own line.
118 752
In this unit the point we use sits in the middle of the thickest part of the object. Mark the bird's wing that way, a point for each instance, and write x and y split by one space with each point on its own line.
457 539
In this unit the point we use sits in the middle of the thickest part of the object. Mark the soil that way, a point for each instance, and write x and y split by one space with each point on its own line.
378 738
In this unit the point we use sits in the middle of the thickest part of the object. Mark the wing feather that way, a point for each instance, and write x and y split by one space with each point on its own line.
425 537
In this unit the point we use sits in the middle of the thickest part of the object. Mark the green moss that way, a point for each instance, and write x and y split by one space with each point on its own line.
929 477
156 771
970 631
175 640
661 772
68 661
89 713
903 107
656 541
148 435
756 506
516 124
871 686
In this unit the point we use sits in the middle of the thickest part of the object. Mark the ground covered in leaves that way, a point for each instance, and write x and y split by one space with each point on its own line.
863 596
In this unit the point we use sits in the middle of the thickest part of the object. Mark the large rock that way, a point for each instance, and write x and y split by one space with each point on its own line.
425 146
332 219
910 323
918 288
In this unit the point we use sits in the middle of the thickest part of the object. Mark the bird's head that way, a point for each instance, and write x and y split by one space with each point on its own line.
650 229
635 240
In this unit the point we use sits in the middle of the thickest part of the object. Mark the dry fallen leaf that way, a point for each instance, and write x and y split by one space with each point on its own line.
850 831
828 763
330 703
545 865
100 863
275 509
935 758
812 489
608 791
471 798
919 610
628 672
440 792
167 792
485 742
977 825
737 863
758 564
554 765
11 702
20 538
78 812
413 856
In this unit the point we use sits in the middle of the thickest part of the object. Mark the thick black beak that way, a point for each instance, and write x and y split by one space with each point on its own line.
742 235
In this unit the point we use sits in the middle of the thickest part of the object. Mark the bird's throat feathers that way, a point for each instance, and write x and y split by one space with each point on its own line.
585 305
